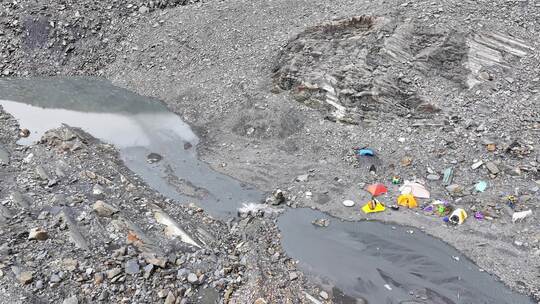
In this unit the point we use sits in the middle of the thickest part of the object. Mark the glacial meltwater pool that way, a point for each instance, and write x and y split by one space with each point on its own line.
378 262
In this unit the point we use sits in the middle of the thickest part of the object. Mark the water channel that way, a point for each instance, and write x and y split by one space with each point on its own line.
378 262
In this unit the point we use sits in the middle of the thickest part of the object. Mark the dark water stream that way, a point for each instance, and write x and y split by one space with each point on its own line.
370 260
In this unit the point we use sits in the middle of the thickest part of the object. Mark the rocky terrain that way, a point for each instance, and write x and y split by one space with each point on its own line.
285 89
78 227
61 37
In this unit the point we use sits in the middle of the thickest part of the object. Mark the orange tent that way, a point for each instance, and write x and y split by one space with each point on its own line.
376 189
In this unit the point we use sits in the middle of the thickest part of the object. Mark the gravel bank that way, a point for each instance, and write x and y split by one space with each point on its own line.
215 64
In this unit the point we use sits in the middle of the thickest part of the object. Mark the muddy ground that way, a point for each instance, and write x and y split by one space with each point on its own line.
429 85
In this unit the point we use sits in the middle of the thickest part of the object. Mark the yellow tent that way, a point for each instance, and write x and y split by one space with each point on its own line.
379 207
407 200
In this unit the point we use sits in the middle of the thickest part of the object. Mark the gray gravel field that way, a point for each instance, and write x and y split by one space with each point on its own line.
280 92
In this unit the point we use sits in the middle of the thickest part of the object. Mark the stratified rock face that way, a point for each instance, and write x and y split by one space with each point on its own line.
351 66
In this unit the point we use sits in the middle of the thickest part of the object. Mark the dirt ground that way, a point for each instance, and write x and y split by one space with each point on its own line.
277 92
